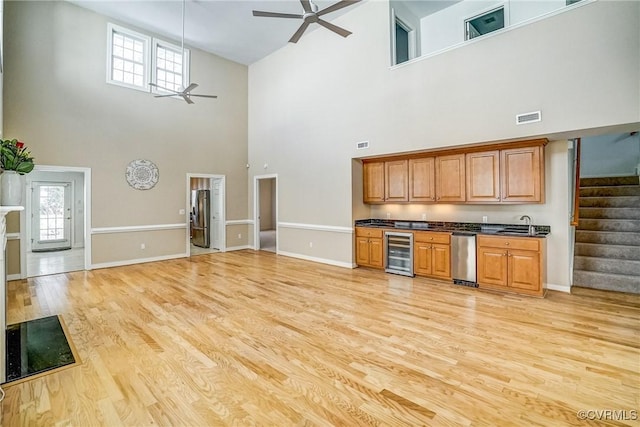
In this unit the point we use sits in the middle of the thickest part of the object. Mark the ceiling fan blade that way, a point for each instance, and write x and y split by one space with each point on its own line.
203 96
164 96
334 28
337 6
298 34
186 98
275 14
189 88
306 5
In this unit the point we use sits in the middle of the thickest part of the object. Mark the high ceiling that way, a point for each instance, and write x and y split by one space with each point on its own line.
227 27
224 27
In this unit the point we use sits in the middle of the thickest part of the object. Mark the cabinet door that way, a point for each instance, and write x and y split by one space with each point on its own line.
450 178
492 266
524 270
376 254
483 177
441 261
373 182
422 258
362 251
422 175
396 181
523 175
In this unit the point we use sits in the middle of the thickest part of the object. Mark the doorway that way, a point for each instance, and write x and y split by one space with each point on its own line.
206 214
55 221
266 213
51 216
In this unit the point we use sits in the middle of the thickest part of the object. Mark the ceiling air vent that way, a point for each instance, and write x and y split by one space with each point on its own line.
362 145
524 118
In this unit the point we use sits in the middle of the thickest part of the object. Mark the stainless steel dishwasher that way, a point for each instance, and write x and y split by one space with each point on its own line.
463 258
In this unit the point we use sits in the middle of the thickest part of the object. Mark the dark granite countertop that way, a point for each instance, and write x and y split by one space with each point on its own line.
519 230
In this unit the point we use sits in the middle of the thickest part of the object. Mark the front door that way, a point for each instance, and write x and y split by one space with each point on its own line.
51 216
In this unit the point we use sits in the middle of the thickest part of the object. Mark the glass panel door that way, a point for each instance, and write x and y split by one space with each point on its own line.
51 216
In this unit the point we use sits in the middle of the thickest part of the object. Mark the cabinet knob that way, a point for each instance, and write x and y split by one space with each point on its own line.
507 243
430 238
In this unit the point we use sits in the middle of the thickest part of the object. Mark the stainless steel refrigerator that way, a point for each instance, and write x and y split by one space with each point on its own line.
200 217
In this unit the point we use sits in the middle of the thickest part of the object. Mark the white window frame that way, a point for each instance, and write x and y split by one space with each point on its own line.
146 41
154 61
486 11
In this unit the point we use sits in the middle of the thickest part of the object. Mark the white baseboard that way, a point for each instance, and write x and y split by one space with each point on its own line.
559 288
319 260
237 248
11 277
137 261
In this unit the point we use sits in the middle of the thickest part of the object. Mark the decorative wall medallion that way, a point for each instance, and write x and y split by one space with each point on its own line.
142 174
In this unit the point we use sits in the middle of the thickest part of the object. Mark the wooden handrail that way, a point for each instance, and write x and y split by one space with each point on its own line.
576 195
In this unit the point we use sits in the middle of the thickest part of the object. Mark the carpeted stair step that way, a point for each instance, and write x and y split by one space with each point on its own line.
623 190
607 265
611 202
611 282
610 181
623 225
608 251
608 238
610 213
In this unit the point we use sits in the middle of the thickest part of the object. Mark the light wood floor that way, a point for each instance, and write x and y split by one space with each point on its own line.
251 338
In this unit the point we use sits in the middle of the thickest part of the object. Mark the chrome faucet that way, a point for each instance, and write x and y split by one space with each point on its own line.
527 220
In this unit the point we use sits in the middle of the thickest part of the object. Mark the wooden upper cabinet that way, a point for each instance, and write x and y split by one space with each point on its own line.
450 178
422 180
396 181
523 174
373 182
483 176
503 173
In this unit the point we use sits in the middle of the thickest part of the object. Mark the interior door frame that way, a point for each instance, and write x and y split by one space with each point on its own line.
26 213
223 209
256 210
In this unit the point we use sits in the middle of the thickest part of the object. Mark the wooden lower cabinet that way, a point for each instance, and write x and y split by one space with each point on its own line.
432 254
369 247
511 264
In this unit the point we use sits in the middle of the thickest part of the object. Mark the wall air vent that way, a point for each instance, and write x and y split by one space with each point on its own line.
362 145
524 118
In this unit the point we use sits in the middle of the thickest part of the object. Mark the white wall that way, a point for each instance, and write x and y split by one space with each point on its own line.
445 28
309 104
610 155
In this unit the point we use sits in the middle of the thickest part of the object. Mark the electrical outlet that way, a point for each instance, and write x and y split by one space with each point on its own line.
181 212
424 216
239 236
485 219
388 215
143 246
310 244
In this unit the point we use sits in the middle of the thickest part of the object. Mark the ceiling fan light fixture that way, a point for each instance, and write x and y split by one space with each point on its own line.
311 15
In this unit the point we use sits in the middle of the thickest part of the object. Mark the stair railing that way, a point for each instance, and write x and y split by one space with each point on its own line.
576 191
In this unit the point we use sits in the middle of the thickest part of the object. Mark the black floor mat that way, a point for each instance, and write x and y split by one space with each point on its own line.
36 346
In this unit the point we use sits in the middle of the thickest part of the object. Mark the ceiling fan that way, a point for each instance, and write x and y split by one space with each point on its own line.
185 93
311 15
